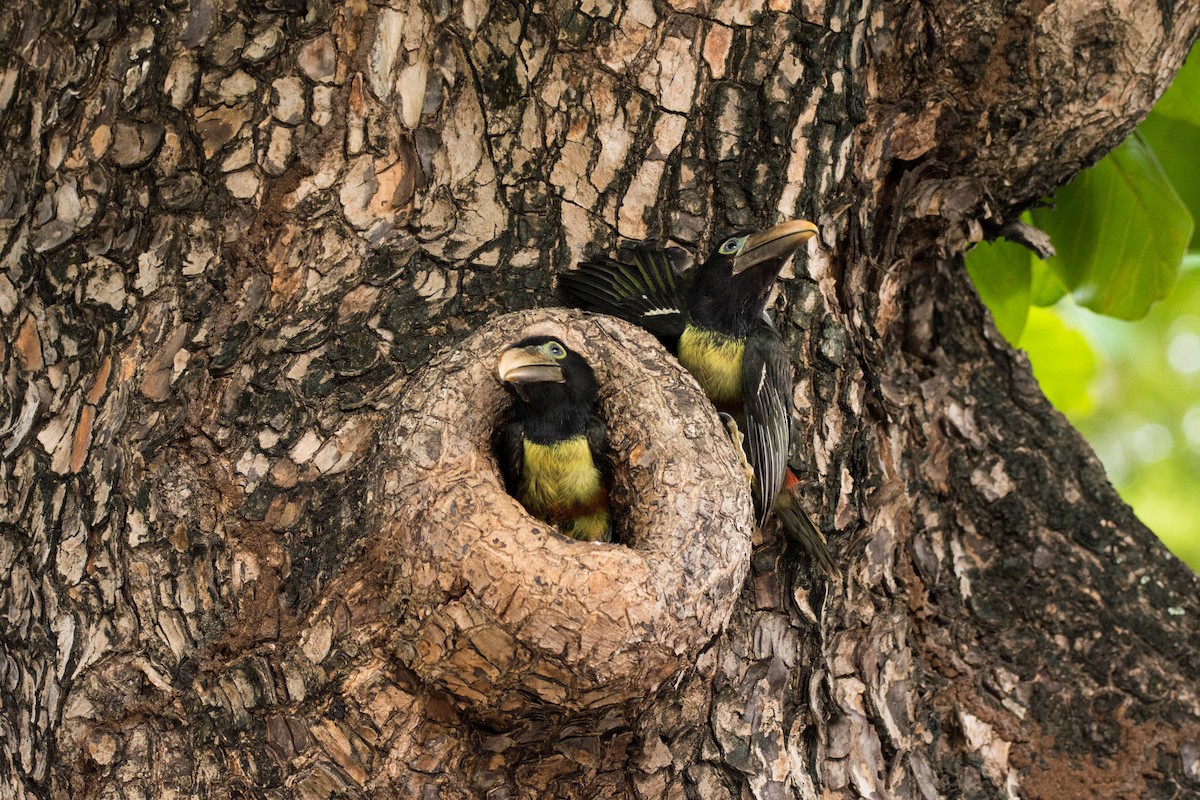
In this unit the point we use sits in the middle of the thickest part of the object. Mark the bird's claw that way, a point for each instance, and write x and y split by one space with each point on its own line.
735 433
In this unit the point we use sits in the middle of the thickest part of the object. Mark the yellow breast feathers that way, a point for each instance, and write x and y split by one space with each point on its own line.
561 484
715 361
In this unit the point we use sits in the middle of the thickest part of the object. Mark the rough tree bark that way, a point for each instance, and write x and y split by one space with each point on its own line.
232 233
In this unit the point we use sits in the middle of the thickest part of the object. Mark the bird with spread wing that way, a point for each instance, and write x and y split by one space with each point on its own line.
713 317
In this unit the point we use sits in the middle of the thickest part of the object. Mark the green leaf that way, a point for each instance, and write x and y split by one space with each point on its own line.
1046 288
1181 101
1001 273
1175 145
1120 231
1063 361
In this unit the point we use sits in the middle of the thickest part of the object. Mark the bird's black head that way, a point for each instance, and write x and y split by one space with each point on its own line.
555 388
731 287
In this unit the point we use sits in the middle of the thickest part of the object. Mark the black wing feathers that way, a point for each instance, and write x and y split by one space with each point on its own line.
597 438
645 289
512 455
767 400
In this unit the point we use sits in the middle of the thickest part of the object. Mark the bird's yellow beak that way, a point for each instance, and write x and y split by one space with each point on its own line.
530 364
778 242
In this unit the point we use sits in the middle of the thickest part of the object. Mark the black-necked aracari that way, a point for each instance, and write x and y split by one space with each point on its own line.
553 452
713 317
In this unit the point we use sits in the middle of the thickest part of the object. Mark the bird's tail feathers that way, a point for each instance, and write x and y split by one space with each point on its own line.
801 528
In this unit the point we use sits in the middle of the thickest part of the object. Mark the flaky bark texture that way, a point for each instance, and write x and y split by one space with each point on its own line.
234 233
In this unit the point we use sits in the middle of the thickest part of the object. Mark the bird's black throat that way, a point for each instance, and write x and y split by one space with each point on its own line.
551 412
730 304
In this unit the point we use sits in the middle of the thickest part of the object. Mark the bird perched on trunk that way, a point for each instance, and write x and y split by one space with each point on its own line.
553 452
713 317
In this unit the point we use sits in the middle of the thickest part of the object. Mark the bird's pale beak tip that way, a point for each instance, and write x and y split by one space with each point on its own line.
806 229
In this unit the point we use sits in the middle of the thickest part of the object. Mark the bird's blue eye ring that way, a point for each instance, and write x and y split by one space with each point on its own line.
556 350
731 246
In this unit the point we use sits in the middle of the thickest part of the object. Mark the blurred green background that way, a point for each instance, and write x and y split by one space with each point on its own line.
1111 323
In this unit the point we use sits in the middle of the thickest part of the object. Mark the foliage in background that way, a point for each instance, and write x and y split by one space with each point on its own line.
1127 249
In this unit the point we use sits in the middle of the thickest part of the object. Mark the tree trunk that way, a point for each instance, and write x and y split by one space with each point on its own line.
232 235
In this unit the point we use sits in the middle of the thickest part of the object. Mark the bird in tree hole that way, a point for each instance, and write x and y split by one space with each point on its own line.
713 317
553 452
